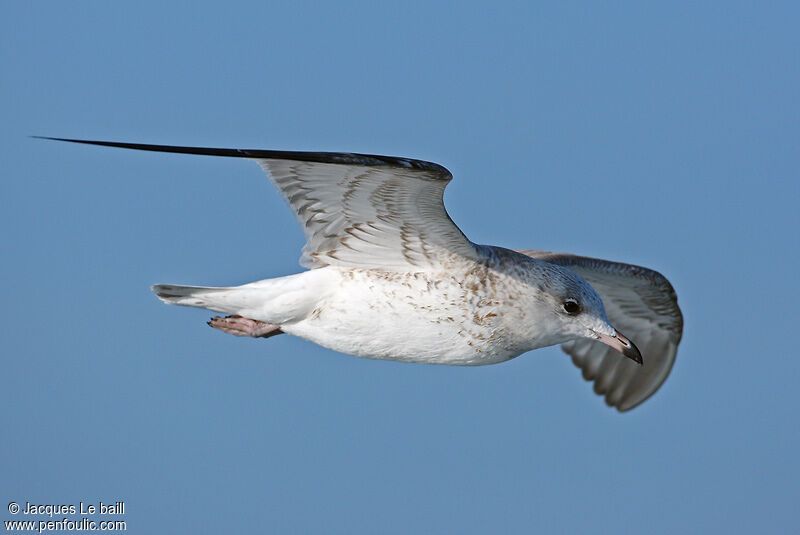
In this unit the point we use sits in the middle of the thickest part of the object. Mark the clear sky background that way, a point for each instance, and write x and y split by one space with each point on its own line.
664 135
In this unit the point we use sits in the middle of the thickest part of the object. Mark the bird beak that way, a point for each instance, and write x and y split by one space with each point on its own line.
621 344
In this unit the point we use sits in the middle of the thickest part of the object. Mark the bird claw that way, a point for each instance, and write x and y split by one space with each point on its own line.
239 326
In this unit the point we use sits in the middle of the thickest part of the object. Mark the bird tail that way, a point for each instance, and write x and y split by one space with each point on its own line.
227 300
276 301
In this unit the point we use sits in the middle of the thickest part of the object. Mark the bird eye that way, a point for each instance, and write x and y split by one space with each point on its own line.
571 307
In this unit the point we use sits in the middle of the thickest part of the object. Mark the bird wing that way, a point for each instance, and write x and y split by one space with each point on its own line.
356 210
369 211
642 305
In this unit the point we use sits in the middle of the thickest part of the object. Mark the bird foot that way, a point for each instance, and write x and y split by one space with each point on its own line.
239 326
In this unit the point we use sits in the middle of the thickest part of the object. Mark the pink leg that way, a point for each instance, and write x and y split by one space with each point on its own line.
239 326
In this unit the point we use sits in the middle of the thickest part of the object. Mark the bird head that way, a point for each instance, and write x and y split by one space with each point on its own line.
575 310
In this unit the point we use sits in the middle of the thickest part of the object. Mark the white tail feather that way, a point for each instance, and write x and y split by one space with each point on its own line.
225 300
275 301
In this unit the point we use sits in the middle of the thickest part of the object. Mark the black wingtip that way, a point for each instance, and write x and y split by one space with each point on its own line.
204 151
49 138
344 158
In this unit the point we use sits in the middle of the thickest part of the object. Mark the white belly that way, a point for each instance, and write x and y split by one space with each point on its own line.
412 317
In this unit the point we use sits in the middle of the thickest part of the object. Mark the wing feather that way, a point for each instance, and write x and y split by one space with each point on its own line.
370 216
356 210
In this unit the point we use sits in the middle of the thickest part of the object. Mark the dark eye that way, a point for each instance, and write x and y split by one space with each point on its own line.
571 307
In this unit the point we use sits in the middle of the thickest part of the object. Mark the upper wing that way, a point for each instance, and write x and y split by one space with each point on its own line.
366 212
642 305
355 210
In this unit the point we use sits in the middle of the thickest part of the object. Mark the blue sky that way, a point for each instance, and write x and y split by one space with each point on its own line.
662 135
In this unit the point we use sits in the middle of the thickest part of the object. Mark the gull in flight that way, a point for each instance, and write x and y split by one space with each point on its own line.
390 276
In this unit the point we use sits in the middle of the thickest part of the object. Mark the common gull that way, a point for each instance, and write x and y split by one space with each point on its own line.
390 276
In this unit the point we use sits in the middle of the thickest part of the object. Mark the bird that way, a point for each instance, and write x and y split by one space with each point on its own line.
390 276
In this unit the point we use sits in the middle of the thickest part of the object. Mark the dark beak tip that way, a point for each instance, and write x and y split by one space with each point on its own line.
634 354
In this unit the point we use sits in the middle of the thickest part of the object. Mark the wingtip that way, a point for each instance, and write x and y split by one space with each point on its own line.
69 140
343 158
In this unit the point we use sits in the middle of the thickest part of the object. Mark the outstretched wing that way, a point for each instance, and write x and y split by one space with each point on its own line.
356 210
369 212
642 305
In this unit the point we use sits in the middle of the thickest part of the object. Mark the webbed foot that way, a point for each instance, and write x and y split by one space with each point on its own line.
239 326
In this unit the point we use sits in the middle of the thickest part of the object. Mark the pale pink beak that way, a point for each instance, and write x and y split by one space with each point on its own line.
621 344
